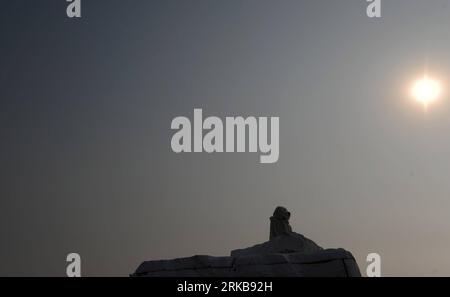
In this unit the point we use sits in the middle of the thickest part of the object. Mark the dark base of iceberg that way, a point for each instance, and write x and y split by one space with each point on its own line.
286 254
325 263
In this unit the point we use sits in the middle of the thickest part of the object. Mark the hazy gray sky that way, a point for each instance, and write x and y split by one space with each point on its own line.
86 105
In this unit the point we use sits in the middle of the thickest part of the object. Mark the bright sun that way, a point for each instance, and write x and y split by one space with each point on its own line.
426 90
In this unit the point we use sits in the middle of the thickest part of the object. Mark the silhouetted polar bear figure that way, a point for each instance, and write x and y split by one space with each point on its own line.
279 222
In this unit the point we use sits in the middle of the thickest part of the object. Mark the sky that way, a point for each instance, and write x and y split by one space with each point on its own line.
86 105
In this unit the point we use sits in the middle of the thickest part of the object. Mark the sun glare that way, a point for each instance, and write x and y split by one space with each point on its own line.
426 91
